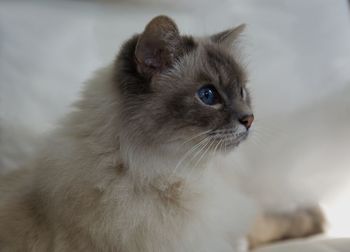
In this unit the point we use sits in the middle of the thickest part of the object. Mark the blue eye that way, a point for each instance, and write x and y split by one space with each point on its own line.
208 95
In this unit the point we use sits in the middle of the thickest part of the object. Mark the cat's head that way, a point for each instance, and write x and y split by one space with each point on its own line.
181 91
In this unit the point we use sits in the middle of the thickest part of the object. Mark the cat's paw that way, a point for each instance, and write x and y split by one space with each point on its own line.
271 227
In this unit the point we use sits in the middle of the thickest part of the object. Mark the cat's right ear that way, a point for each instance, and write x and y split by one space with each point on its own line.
227 37
157 46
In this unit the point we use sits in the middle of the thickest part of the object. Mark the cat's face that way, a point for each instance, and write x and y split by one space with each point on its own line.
183 92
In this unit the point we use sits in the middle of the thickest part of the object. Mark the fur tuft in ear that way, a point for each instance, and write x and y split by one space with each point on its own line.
227 37
157 46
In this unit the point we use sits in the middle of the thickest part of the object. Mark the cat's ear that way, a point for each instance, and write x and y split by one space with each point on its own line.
157 46
227 37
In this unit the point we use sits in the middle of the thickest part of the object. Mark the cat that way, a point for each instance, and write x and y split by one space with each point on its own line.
129 169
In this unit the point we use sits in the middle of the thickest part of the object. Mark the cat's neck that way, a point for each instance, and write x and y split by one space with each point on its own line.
147 166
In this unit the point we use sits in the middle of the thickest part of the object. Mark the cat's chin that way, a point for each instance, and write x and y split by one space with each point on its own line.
230 146
232 143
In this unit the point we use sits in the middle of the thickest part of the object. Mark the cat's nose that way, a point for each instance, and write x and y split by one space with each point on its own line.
247 120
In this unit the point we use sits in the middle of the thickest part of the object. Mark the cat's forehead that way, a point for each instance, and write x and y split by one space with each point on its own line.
209 61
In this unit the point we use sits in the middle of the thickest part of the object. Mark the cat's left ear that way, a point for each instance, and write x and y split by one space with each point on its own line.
227 37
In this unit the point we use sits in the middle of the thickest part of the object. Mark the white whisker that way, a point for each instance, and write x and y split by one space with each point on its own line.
206 148
195 136
198 145
216 147
204 153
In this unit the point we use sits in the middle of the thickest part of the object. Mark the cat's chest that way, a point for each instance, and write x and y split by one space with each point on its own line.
220 206
201 214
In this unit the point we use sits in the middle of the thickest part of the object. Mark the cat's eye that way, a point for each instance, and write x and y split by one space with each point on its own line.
242 93
209 95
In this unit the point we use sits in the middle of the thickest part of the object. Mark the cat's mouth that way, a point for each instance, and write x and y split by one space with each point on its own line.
227 139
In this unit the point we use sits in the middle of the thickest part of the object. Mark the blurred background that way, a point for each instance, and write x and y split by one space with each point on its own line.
297 53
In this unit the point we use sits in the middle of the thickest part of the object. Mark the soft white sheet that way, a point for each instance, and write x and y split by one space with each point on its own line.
336 245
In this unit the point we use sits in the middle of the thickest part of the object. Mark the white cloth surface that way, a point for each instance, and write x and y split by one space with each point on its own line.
326 245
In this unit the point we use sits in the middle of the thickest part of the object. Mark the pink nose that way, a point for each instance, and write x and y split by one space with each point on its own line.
247 120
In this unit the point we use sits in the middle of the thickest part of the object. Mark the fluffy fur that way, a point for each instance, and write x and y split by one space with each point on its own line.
115 176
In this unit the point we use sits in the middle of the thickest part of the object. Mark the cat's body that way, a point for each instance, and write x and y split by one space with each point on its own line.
86 203
115 176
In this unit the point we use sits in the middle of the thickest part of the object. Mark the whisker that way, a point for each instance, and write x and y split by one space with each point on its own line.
216 146
206 149
209 141
195 136
197 153
204 153
222 144
198 145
